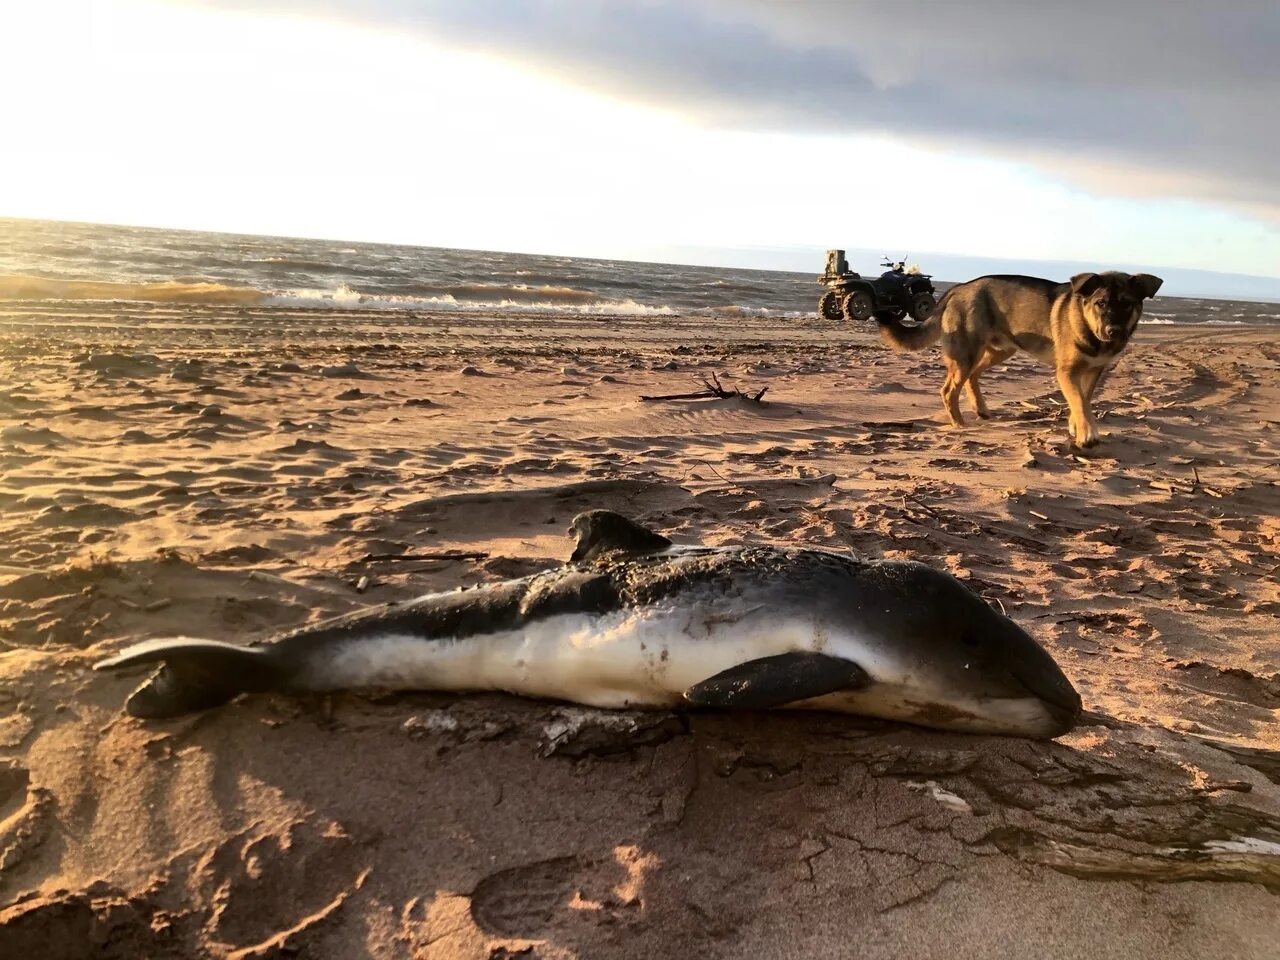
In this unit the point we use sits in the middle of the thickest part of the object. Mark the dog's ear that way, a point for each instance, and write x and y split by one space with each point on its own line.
1083 284
1145 284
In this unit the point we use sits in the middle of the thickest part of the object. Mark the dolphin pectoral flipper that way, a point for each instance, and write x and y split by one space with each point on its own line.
777 680
195 674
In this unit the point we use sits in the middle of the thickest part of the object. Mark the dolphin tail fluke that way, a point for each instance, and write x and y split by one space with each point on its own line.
194 674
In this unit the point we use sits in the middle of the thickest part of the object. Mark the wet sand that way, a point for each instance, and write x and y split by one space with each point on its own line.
225 471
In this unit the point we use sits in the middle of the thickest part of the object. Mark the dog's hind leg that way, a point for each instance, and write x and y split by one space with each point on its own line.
988 359
957 374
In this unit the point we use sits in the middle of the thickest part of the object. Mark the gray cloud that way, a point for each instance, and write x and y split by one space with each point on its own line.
1171 96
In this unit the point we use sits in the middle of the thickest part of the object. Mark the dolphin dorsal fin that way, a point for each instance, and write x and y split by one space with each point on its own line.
603 531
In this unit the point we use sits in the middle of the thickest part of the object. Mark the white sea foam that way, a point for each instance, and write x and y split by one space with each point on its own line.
345 298
342 297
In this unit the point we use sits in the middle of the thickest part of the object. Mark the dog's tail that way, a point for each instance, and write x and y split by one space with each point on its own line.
899 336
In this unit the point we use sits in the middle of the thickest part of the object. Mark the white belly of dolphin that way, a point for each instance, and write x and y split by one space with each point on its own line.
634 657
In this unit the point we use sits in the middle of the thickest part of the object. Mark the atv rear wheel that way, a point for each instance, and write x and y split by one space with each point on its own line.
858 306
922 305
829 306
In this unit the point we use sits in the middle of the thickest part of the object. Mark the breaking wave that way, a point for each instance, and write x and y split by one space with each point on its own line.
163 291
1174 321
458 297
345 298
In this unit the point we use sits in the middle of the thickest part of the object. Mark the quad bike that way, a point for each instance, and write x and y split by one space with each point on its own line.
895 294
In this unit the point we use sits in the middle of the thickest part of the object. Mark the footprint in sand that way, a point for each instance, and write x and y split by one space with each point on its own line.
273 890
98 922
26 814
522 901
529 902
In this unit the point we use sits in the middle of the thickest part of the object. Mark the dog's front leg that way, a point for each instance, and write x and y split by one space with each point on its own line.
1075 381
1092 380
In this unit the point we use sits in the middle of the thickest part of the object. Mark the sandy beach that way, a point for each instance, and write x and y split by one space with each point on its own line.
227 470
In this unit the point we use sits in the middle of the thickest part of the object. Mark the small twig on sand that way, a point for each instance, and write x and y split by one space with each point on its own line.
923 506
438 555
712 389
939 518
1169 487
718 473
1201 487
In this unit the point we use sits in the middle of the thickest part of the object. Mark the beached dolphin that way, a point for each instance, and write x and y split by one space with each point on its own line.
634 621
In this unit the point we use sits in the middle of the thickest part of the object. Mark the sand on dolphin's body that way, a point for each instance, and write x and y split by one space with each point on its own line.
214 470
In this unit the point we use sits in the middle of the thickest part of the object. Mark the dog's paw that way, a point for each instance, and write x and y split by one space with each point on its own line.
1084 436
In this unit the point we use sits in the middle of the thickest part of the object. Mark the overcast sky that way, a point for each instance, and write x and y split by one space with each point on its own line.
1124 133
1183 94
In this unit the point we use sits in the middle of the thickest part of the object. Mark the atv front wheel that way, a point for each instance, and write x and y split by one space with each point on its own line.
829 306
922 305
858 306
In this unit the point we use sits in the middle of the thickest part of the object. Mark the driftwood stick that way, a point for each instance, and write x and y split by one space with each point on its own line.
712 389
437 555
700 395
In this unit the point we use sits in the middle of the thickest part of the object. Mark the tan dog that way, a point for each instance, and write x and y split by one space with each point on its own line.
1079 327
